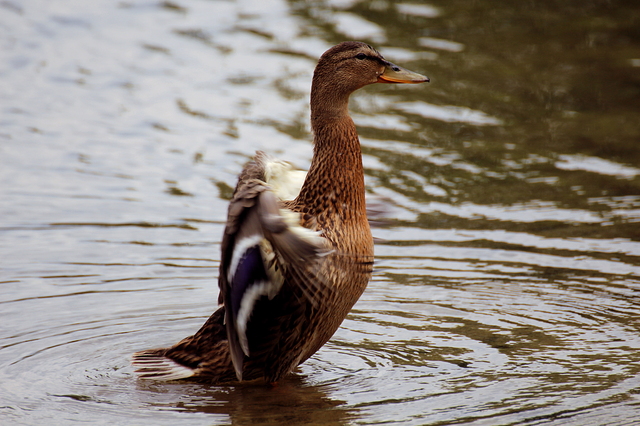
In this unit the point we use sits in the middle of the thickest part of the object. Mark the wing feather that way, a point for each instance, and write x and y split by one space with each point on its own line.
262 244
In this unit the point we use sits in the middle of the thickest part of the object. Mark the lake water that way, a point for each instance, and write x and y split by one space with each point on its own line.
507 281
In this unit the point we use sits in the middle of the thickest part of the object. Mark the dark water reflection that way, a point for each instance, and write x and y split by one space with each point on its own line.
507 281
291 402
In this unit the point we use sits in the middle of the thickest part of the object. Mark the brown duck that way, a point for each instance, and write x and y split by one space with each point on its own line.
292 266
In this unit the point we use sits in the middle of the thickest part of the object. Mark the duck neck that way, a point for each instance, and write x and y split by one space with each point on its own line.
335 181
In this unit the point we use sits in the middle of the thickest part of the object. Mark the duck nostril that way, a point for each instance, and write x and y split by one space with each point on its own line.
396 69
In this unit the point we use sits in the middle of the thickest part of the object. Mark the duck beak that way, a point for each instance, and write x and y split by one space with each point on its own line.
395 74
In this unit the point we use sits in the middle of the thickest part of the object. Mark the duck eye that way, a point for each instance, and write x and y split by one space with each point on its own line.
361 56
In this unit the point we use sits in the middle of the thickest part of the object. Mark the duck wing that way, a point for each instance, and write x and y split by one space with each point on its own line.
262 244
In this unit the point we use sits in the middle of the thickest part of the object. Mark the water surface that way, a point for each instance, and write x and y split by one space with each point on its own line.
507 277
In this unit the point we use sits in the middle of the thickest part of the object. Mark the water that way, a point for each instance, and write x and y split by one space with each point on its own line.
507 275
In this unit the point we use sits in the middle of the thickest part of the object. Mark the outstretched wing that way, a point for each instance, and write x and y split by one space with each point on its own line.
262 242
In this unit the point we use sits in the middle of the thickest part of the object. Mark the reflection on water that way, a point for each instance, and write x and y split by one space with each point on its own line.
507 281
292 402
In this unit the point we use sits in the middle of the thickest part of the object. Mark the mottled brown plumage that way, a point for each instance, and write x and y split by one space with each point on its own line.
290 269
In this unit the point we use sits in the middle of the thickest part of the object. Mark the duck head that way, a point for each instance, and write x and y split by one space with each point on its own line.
351 65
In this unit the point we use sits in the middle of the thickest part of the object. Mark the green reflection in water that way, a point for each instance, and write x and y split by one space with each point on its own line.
561 83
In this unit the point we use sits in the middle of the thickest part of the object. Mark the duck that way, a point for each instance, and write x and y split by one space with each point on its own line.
295 257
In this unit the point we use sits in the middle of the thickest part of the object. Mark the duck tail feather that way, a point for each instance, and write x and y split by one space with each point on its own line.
152 364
